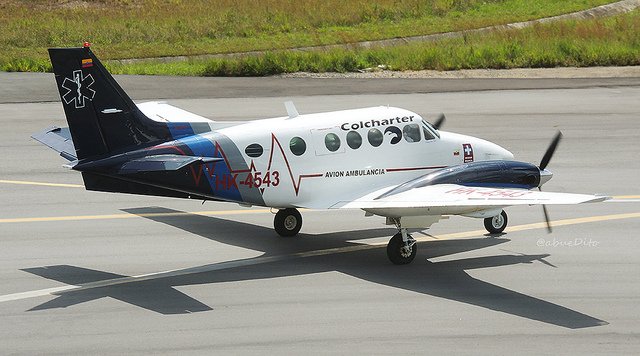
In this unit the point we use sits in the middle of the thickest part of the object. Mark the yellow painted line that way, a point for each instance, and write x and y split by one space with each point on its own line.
574 221
626 197
131 216
21 182
524 227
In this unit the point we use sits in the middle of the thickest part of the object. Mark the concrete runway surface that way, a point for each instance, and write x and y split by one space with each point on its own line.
87 272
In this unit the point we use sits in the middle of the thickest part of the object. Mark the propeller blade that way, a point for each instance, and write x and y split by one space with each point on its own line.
439 121
546 215
552 148
543 164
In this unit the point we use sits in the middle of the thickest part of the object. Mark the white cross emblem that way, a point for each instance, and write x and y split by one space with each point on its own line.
467 150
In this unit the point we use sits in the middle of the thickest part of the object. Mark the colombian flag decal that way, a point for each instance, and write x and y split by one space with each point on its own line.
86 63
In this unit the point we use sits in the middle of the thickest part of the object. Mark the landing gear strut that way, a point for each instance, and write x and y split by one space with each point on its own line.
287 222
496 224
402 248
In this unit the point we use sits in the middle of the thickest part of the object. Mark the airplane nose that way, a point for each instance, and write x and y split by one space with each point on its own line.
545 176
496 152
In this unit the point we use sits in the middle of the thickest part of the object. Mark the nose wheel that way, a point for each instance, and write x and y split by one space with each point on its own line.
287 222
496 224
402 248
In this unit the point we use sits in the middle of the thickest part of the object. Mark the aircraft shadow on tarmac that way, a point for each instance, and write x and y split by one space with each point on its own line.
447 279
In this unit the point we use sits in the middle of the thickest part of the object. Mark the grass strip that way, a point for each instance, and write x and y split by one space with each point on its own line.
151 28
612 41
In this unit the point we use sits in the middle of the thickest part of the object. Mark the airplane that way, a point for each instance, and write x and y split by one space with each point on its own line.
386 161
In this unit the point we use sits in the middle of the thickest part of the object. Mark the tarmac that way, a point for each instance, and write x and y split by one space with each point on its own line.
87 272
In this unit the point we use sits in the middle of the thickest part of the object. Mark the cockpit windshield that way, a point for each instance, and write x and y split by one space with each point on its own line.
429 131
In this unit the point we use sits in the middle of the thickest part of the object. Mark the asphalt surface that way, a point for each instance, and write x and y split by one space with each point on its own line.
216 278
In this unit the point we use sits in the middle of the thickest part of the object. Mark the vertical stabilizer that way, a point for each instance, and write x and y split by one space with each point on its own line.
102 118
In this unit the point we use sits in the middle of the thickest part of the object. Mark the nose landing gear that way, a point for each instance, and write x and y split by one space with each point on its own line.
496 224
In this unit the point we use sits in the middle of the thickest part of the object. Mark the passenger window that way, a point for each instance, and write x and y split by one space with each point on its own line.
427 134
375 137
354 140
297 146
411 133
332 141
253 150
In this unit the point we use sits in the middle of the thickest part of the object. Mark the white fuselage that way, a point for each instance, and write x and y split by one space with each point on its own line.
318 160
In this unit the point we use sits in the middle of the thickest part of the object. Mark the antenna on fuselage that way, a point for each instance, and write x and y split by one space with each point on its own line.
291 109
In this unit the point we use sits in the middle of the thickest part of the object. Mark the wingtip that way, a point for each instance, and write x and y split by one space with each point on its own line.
599 198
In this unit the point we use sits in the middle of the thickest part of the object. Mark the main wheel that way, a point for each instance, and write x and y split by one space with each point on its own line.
496 224
398 252
287 222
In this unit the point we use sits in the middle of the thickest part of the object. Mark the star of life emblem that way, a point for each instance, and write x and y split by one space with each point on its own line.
78 89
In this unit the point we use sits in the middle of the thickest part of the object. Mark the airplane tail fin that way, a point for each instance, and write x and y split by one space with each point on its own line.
101 116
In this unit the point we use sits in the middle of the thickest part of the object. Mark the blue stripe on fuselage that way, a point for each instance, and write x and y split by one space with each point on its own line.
223 183
180 129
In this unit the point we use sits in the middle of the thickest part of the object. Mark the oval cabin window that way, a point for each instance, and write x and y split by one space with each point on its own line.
354 140
375 137
297 146
254 150
332 141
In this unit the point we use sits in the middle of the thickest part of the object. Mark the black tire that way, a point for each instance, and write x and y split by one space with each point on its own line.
496 224
396 251
287 222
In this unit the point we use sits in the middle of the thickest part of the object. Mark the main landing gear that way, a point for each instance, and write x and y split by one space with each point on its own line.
287 222
496 224
402 248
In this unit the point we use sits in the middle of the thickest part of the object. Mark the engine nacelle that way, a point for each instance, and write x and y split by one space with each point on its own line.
499 174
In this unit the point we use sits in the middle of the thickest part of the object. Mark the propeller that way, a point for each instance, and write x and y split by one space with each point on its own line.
543 164
552 148
439 121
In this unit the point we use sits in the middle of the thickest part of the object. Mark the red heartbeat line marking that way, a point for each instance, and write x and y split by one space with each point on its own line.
197 176
296 186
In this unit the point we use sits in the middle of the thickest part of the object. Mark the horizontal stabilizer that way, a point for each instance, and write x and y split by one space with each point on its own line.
162 163
163 112
58 139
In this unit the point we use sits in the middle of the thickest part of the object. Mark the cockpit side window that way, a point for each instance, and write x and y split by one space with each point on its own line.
411 133
429 132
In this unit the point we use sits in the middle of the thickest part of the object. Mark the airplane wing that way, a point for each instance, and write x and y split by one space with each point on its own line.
445 199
